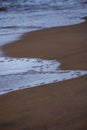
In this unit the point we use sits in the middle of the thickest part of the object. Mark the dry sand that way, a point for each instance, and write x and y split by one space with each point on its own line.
58 106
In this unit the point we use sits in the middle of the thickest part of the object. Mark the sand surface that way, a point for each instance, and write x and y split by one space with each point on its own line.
58 106
66 44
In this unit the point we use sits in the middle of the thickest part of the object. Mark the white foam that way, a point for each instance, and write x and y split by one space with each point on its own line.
13 65
23 73
14 24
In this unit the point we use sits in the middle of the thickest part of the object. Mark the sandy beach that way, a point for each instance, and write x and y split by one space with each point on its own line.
57 106
65 44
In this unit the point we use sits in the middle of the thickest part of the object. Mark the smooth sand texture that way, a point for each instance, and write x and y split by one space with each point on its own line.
58 106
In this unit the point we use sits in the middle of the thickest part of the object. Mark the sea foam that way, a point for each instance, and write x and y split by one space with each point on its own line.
20 73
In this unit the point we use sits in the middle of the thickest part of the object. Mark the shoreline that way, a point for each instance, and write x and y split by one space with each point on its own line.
54 106
60 42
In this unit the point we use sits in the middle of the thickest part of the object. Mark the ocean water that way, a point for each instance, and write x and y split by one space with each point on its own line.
23 73
20 16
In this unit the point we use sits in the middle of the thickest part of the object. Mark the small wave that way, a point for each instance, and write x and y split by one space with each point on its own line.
36 4
22 16
20 73
23 27
8 27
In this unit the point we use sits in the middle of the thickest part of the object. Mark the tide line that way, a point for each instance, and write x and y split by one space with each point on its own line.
21 73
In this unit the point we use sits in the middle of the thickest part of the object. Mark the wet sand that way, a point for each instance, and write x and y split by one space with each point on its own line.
66 44
58 106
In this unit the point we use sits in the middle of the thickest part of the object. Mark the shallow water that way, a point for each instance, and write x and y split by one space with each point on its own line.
23 73
23 16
